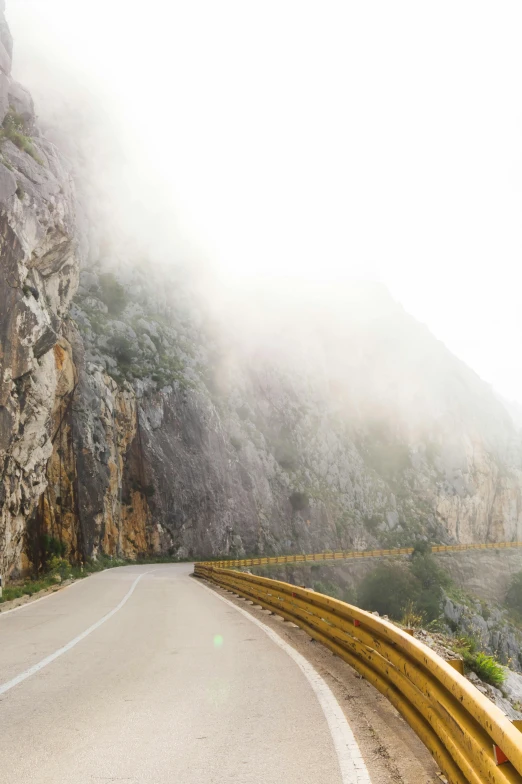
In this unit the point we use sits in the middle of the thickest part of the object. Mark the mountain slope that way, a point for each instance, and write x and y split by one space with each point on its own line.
160 412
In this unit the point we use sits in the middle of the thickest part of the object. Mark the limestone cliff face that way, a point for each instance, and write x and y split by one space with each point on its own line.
38 278
137 417
350 431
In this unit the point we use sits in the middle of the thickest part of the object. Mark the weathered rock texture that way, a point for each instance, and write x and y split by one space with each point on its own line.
146 418
342 429
38 278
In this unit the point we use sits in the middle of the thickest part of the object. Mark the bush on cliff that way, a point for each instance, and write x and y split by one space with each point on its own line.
482 664
514 593
394 589
389 589
112 294
13 128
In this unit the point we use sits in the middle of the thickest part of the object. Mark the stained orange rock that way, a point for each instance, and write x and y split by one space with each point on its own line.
60 356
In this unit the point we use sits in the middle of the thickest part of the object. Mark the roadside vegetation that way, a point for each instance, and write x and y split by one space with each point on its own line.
397 589
411 593
482 664
58 569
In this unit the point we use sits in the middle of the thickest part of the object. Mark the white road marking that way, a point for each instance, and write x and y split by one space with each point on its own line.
53 656
351 763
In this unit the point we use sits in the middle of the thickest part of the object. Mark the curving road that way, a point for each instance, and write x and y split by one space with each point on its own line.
141 674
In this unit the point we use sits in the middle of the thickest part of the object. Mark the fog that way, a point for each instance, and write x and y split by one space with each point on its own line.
304 140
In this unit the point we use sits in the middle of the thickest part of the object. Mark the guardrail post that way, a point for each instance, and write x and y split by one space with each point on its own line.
457 664
0 586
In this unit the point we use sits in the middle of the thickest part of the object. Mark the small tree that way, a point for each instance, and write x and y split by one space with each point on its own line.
299 501
514 593
427 570
112 293
421 547
123 349
432 580
389 590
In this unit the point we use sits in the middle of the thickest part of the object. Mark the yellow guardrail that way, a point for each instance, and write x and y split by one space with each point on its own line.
466 733
341 555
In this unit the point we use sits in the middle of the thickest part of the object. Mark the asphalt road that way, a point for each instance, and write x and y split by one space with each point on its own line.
175 685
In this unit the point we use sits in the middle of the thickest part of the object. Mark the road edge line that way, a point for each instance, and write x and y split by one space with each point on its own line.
351 763
5 687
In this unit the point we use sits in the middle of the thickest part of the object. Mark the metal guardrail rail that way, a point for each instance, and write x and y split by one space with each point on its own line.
465 732
341 555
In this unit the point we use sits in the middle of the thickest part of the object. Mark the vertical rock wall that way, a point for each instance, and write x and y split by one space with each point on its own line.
38 278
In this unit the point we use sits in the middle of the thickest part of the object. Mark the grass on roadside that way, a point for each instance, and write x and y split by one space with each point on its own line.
59 569
482 664
28 588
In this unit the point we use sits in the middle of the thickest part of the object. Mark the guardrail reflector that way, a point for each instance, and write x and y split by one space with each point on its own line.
500 757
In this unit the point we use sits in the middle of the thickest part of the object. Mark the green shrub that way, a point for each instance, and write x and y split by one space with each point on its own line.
428 603
335 591
112 293
28 588
421 547
53 547
389 590
482 664
123 350
427 570
59 567
514 593
372 523
299 501
328 589
393 590
432 579
13 128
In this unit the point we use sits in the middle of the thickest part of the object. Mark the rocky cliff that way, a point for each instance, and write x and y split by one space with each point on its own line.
146 411
38 278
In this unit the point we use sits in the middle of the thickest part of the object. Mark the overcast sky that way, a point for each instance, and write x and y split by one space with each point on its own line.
327 140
